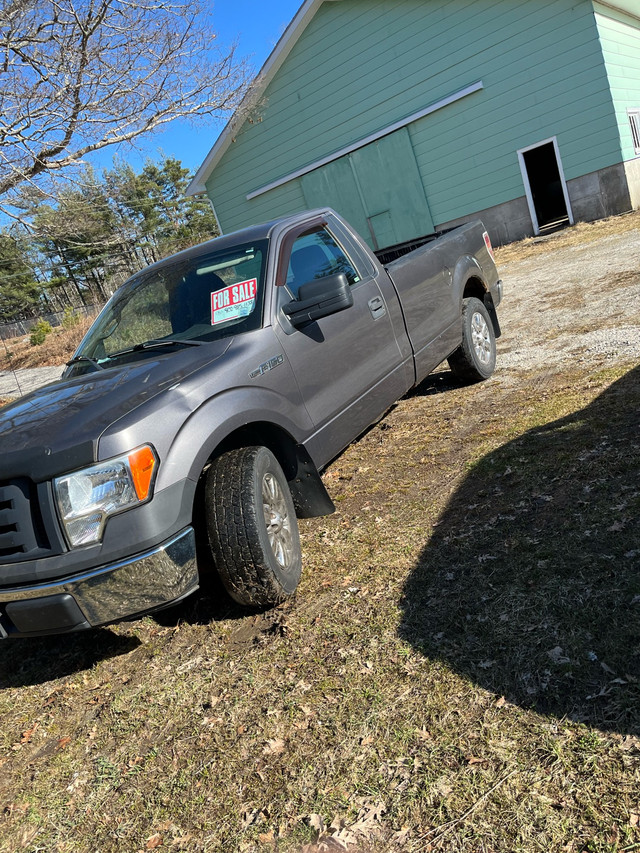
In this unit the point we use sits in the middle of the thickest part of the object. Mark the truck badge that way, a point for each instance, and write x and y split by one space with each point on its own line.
267 365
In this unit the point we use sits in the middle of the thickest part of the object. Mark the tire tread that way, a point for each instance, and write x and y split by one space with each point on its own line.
232 527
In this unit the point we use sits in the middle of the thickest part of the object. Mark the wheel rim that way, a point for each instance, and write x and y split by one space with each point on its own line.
277 520
481 338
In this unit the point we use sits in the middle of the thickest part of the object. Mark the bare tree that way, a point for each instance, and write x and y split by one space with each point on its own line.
79 75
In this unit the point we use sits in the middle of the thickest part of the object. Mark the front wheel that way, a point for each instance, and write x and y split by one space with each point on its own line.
252 527
475 358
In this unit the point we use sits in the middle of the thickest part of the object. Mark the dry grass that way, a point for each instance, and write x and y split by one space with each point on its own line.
459 670
58 347
580 234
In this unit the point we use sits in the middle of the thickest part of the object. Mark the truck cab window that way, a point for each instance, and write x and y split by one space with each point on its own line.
316 255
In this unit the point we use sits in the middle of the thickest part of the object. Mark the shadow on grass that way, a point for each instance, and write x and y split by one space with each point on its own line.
530 584
201 608
26 662
438 382
211 602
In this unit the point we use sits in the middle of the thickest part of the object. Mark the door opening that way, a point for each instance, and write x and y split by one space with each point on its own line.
545 186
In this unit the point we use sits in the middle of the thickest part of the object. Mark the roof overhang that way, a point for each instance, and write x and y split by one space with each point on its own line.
630 7
266 74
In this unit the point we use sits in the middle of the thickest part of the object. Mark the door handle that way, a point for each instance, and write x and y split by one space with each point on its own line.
377 307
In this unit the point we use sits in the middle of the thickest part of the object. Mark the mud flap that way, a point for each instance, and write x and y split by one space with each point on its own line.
493 314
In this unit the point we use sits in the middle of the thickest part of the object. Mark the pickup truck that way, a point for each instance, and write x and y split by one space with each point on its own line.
187 433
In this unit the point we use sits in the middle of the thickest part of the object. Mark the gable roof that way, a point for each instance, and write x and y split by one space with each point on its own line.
276 58
266 74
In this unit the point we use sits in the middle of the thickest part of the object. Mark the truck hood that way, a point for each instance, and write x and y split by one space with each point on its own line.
57 427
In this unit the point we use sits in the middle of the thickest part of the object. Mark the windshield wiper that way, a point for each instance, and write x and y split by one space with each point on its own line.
164 342
80 358
154 344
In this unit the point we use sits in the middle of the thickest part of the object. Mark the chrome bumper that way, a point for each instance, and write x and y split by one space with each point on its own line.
105 594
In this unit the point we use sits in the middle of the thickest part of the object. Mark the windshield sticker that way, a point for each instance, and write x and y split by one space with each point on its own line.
233 302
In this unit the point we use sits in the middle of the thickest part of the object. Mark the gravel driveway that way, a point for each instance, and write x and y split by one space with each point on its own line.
571 303
19 382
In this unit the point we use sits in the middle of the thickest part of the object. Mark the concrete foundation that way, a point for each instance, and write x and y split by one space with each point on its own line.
600 194
607 192
505 222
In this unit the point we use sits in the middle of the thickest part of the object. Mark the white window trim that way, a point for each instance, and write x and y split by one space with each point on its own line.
527 185
468 90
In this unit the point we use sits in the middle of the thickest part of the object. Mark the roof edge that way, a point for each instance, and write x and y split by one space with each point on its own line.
627 7
268 71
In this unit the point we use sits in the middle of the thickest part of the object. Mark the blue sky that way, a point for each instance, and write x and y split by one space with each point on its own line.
256 26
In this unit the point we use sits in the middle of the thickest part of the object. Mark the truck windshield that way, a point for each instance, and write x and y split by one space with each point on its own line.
187 301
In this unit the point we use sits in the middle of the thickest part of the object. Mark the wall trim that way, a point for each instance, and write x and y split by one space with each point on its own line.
373 137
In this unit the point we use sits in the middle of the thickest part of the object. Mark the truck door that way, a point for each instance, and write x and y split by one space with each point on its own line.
348 366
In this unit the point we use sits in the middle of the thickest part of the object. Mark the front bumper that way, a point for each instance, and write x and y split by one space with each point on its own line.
146 582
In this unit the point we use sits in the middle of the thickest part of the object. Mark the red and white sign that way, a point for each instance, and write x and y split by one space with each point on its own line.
233 302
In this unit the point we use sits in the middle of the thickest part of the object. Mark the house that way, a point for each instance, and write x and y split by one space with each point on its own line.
409 116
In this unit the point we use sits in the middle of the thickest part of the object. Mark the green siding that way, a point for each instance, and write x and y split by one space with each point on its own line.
620 38
385 212
363 64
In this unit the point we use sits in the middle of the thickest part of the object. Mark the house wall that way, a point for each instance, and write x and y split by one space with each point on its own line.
620 39
363 64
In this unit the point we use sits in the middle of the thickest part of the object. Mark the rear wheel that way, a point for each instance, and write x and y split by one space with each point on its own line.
252 526
475 358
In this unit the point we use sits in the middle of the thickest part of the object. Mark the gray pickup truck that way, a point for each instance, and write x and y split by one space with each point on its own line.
189 429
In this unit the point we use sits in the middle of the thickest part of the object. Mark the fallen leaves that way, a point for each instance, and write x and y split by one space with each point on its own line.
274 746
342 833
28 734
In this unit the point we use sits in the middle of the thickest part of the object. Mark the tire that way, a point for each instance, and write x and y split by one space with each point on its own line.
252 527
475 358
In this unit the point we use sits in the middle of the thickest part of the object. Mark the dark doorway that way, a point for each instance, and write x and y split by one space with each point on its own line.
546 185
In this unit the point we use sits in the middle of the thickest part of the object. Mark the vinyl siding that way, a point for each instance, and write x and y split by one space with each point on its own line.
363 64
620 38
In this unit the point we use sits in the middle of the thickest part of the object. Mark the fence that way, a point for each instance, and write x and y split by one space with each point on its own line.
23 327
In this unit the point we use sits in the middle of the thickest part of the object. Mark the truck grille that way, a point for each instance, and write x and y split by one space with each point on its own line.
22 535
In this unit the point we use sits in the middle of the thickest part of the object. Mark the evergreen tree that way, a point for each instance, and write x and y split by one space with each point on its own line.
19 291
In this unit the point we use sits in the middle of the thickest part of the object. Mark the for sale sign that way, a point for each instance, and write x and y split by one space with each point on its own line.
233 302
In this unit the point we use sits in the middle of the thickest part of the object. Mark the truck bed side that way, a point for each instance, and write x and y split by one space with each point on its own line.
431 282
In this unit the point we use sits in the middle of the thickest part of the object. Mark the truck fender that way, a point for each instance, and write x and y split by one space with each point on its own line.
468 280
467 270
238 425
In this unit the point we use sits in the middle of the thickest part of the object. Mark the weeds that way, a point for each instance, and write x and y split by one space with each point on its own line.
18 353
39 333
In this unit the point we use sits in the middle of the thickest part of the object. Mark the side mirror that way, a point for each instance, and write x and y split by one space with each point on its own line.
319 298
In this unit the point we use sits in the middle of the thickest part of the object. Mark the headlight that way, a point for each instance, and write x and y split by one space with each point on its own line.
87 499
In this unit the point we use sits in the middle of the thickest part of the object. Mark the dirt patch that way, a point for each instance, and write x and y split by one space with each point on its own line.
258 629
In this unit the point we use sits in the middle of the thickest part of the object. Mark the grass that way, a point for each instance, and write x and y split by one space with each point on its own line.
458 671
